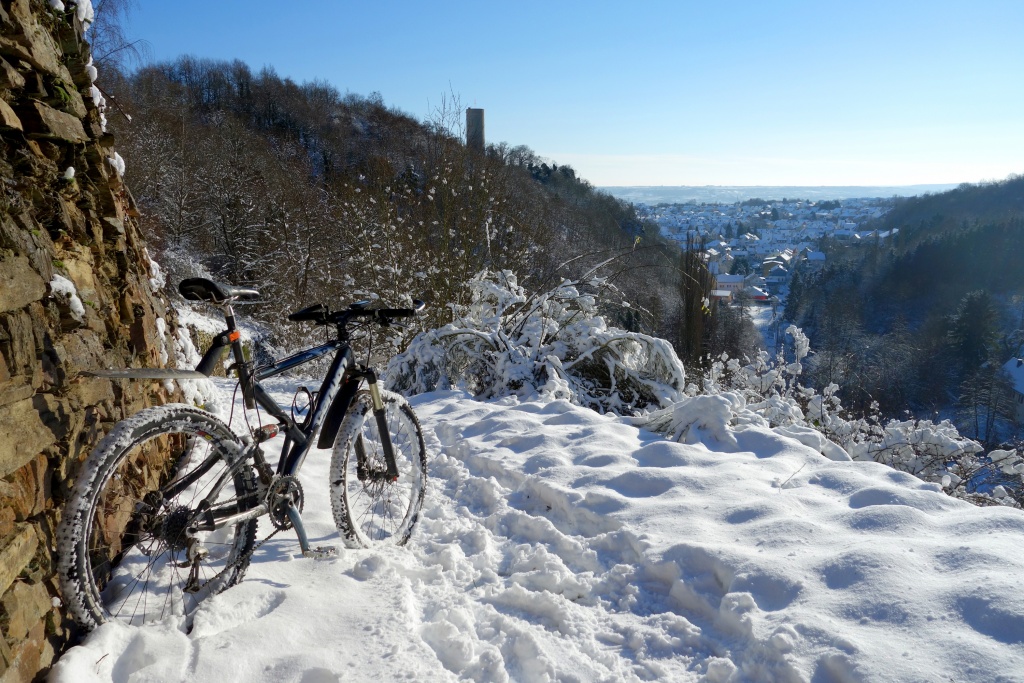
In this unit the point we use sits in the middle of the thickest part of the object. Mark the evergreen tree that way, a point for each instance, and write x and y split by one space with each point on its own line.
796 292
973 331
986 403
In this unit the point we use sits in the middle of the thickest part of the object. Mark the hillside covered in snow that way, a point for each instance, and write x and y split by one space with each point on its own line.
560 544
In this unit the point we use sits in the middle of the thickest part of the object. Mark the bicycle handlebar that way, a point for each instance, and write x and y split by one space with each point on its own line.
398 312
380 315
321 315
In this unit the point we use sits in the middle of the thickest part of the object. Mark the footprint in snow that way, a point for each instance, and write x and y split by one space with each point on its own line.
242 605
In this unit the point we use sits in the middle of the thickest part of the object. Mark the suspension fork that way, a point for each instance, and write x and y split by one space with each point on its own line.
382 425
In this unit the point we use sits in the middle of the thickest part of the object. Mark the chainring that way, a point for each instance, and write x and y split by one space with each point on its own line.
282 492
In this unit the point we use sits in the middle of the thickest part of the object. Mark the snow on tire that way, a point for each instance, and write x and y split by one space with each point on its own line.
370 510
124 550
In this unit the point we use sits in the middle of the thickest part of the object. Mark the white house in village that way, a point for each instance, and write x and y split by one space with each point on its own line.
713 258
723 294
729 283
1015 368
812 260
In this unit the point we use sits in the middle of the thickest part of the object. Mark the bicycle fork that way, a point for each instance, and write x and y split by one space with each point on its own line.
390 474
379 415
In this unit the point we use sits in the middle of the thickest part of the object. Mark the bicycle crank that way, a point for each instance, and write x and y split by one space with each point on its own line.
284 494
318 553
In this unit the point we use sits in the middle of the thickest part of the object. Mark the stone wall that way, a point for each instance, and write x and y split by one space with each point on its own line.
55 226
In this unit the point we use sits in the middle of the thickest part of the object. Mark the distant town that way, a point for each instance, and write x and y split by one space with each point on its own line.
754 246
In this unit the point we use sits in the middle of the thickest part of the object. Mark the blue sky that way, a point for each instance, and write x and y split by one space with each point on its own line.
788 92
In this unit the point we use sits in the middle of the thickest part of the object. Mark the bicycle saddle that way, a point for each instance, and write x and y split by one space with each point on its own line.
201 289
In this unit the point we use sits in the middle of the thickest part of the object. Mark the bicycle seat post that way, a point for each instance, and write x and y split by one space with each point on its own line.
241 366
229 315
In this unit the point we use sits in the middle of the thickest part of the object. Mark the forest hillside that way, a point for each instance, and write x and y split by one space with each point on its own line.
314 196
924 322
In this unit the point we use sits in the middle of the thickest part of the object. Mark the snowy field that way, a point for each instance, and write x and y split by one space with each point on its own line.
561 545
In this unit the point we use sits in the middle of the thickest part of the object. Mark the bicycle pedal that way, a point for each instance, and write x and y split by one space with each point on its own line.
320 553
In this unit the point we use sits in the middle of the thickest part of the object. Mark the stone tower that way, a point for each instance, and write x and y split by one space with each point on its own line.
475 129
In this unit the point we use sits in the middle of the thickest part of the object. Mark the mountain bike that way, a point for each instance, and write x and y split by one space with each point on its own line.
164 511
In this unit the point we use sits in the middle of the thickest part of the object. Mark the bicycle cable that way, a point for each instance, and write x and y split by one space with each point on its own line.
245 413
234 395
369 345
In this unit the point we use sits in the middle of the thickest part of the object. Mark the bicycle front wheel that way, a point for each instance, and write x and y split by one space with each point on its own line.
137 542
370 509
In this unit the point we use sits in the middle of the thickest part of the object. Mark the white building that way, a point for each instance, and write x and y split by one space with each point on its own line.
730 283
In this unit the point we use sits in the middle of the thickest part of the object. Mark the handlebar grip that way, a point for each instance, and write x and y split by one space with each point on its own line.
418 307
394 312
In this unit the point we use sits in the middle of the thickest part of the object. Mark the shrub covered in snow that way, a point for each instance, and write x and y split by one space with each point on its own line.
508 341
933 451
766 392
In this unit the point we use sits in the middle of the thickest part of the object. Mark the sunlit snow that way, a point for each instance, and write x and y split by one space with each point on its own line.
559 544
65 288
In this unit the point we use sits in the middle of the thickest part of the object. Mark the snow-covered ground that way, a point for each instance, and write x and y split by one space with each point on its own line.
559 544
764 321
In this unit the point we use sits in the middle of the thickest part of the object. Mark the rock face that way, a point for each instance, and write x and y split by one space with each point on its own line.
75 293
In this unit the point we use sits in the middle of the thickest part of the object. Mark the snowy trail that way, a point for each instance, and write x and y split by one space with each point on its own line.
566 566
761 315
542 590
558 544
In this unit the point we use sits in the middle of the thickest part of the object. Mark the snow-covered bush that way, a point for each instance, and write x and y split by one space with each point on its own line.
933 451
694 418
767 392
507 341
556 344
1007 463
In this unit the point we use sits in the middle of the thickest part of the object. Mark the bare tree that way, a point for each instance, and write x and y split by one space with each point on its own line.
111 46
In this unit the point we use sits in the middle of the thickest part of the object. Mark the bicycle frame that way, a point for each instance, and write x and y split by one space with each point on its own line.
327 412
332 402
335 395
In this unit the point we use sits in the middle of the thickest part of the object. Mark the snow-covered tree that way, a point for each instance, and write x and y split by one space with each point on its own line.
509 341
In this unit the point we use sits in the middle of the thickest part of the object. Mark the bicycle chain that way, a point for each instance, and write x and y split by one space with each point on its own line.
256 547
248 555
277 528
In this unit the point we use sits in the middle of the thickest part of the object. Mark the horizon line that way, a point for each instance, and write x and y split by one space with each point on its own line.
809 186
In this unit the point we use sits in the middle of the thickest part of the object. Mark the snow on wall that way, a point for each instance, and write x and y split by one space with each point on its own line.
65 288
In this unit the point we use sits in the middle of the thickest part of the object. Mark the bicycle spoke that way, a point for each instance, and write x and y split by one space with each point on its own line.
137 533
375 509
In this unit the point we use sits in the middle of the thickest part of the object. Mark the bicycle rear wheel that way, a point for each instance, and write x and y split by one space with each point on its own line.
368 508
134 545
